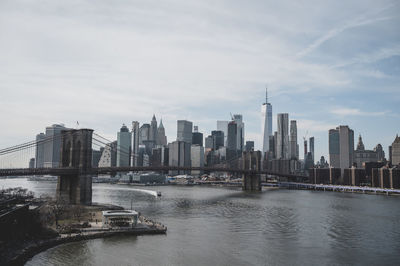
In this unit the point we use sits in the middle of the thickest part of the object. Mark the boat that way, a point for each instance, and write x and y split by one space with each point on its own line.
158 193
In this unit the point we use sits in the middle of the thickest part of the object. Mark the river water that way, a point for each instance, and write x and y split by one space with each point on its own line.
225 226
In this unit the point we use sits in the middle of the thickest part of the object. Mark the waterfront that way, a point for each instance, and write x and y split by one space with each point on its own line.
225 226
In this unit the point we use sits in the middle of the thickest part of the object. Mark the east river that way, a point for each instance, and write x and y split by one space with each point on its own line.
224 226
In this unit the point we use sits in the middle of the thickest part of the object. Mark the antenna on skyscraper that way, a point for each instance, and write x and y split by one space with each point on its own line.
266 94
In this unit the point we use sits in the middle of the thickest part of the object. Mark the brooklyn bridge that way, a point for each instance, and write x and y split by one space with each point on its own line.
75 171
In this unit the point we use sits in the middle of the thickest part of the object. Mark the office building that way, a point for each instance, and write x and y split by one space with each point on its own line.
135 143
240 132
153 129
271 153
32 163
161 137
249 146
379 153
144 133
197 158
96 155
341 147
197 137
185 130
39 152
293 147
266 123
124 138
209 142
218 139
52 145
231 148
312 149
395 151
179 155
222 125
282 141
361 155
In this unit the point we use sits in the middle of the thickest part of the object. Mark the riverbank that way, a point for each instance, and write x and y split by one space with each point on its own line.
145 227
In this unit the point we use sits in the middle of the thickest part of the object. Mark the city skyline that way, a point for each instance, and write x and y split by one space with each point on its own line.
324 72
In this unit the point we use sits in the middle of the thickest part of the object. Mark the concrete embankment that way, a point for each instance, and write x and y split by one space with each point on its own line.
40 246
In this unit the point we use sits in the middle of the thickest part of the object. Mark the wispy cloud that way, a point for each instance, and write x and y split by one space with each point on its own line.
359 21
314 126
355 112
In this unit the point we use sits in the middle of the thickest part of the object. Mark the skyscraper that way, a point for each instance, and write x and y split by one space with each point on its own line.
52 145
293 140
231 148
197 137
185 129
341 147
240 131
282 141
380 153
222 125
161 137
249 145
144 133
153 129
312 148
218 139
135 143
197 158
395 151
124 138
39 153
179 155
266 122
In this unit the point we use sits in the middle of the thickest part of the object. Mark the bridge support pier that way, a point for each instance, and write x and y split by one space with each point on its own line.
251 161
76 151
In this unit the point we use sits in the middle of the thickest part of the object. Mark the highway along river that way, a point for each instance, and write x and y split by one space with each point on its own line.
225 226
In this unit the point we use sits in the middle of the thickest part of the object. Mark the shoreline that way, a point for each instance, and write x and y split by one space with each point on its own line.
31 250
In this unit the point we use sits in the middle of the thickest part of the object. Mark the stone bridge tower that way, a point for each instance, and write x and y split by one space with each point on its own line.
76 152
251 161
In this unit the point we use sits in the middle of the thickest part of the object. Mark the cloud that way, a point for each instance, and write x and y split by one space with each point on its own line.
355 112
362 20
313 126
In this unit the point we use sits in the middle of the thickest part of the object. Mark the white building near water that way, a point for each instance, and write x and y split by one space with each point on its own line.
120 218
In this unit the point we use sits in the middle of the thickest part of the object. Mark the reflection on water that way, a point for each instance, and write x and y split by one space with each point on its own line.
225 226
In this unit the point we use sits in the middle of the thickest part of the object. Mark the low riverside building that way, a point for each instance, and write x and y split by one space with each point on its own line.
386 178
120 218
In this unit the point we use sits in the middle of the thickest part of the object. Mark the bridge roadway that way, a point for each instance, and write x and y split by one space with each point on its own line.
110 170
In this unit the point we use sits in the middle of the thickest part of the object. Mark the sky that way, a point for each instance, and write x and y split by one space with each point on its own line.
105 63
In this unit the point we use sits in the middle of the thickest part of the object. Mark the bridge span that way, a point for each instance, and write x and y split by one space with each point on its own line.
75 171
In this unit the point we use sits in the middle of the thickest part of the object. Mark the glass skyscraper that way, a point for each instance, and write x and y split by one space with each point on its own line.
266 122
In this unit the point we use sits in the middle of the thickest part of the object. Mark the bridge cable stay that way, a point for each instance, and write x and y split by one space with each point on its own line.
22 153
122 149
126 151
96 142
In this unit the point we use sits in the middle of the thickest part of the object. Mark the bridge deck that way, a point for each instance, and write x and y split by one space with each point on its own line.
109 170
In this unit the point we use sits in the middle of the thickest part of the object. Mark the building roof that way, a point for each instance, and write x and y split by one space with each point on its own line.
360 145
397 139
120 213
161 124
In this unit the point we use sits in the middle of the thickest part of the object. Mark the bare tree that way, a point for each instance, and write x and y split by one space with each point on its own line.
77 212
57 209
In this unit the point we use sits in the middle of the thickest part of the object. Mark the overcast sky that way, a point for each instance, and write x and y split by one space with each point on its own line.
104 63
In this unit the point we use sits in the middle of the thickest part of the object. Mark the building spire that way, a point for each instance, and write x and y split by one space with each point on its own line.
266 95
